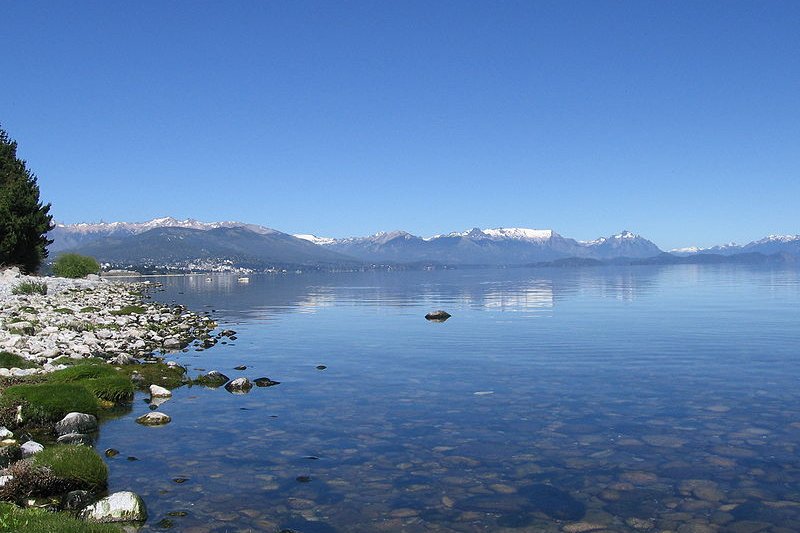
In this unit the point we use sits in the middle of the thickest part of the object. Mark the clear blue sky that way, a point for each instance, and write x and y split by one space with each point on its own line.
676 120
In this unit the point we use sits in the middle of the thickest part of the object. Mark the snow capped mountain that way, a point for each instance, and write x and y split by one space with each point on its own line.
521 234
321 241
771 244
163 222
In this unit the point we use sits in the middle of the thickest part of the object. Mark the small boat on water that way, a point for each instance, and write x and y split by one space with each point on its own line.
244 279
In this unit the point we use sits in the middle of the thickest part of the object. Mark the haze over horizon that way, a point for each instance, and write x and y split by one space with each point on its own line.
678 121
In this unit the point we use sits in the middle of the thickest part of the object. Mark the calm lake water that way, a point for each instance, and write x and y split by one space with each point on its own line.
630 399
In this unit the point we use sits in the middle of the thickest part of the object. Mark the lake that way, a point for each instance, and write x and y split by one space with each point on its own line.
587 399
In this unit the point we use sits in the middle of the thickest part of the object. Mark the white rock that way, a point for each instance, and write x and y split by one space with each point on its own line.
31 448
5 479
5 433
154 418
76 423
159 392
118 507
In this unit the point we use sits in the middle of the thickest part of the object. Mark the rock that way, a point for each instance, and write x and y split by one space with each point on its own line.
76 423
265 382
172 343
124 359
212 379
239 385
5 433
240 367
31 448
76 500
5 479
154 419
111 452
159 392
75 438
438 316
321 367
118 507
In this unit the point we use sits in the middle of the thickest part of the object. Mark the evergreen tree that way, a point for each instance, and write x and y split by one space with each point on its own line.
24 220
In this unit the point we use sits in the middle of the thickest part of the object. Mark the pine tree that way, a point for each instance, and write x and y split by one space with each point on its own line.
24 220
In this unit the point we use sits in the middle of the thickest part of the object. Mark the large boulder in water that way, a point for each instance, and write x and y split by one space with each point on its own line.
118 507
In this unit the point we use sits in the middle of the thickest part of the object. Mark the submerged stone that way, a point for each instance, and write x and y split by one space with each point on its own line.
553 502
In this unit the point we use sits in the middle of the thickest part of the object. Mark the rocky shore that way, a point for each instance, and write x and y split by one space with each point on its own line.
92 317
69 351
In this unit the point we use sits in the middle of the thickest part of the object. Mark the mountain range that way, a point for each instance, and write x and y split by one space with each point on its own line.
171 242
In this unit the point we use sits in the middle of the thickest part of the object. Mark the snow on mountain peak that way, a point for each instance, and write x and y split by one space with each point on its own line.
322 241
522 234
161 222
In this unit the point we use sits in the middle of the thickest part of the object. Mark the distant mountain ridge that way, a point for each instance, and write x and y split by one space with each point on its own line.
771 244
168 240
494 246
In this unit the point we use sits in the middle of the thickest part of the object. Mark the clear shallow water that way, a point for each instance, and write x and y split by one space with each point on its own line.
654 397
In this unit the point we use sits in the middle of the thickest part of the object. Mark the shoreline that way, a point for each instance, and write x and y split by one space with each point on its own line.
73 351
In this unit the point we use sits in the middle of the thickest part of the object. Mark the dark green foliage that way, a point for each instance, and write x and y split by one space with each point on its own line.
30 287
64 360
24 220
129 310
10 360
78 466
75 266
13 518
50 402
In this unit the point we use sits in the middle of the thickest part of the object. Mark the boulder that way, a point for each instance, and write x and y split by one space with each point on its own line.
118 507
5 433
265 382
438 316
172 343
159 392
239 385
212 379
154 419
76 423
31 448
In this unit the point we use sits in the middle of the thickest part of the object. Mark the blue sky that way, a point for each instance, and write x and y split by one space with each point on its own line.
676 120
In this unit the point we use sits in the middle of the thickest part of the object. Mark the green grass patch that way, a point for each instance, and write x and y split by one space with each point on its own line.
116 389
64 311
30 287
29 309
129 310
90 309
13 518
81 372
156 374
74 464
10 360
64 360
49 402
105 382
75 266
